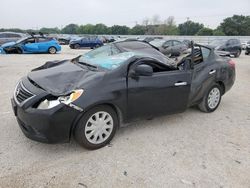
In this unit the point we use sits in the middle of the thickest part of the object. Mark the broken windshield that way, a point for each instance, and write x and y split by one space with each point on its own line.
108 62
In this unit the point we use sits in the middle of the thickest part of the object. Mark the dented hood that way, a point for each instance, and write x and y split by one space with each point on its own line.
63 77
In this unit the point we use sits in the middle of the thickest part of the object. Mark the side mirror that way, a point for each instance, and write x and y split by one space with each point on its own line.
144 70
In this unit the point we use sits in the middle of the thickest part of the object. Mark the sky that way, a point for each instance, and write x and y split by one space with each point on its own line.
34 14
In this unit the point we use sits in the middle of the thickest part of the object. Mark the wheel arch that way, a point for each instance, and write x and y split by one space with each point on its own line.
222 85
52 47
117 110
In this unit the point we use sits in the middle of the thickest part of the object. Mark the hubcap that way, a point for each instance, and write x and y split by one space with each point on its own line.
213 98
99 127
52 50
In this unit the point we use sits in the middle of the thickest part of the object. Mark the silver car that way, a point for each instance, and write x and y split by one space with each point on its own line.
10 37
170 48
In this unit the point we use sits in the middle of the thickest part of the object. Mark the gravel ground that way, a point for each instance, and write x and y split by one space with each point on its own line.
192 149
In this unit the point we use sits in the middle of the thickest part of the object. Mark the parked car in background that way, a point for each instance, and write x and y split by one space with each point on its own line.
170 48
149 39
86 42
244 45
247 52
10 37
110 39
32 44
187 42
63 41
232 45
91 95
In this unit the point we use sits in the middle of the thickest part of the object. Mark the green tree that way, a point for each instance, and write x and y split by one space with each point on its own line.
218 32
70 29
86 29
50 30
189 28
119 30
205 32
101 29
236 25
138 30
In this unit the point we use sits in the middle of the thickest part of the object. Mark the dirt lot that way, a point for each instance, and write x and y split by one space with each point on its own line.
192 149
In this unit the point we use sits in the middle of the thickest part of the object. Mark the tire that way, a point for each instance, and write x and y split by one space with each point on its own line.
76 46
19 50
238 52
205 105
52 50
89 130
246 53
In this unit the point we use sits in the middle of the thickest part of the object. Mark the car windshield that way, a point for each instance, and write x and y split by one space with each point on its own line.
217 42
21 40
103 51
109 62
157 43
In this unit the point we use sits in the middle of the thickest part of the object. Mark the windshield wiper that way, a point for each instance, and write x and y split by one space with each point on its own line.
88 65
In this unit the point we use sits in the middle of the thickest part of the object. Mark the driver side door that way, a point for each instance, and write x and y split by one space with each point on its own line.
31 46
164 92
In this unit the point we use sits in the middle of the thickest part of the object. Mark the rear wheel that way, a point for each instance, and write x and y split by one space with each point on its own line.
97 127
211 100
52 50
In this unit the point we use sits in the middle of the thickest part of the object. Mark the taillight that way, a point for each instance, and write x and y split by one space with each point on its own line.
231 63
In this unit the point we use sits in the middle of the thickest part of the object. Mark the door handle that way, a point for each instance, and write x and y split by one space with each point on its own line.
212 72
180 84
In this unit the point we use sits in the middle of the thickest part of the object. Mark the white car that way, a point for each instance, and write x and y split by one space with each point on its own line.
244 45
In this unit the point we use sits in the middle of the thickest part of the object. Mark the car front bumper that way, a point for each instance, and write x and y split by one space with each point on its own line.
48 126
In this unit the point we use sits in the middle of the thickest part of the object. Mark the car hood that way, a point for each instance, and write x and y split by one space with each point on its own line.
8 44
62 77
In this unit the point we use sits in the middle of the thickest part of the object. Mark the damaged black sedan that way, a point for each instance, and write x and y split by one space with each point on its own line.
90 96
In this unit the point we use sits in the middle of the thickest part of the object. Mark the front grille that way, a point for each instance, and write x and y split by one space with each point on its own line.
21 93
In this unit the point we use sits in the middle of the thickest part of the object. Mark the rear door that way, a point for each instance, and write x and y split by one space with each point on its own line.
43 44
165 92
84 42
204 73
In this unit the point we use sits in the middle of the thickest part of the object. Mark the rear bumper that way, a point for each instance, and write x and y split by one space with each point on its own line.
48 126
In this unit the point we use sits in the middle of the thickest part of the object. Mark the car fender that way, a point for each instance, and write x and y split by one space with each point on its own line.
2 51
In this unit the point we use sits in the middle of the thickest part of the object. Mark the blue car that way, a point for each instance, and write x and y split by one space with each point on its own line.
32 44
88 42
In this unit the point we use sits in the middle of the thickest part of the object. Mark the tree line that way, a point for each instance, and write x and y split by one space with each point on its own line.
237 25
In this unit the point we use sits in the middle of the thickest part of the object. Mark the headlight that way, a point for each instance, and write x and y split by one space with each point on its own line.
47 104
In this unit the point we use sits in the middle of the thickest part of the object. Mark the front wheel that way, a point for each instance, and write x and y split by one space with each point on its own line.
77 46
211 100
237 54
97 127
19 50
52 50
